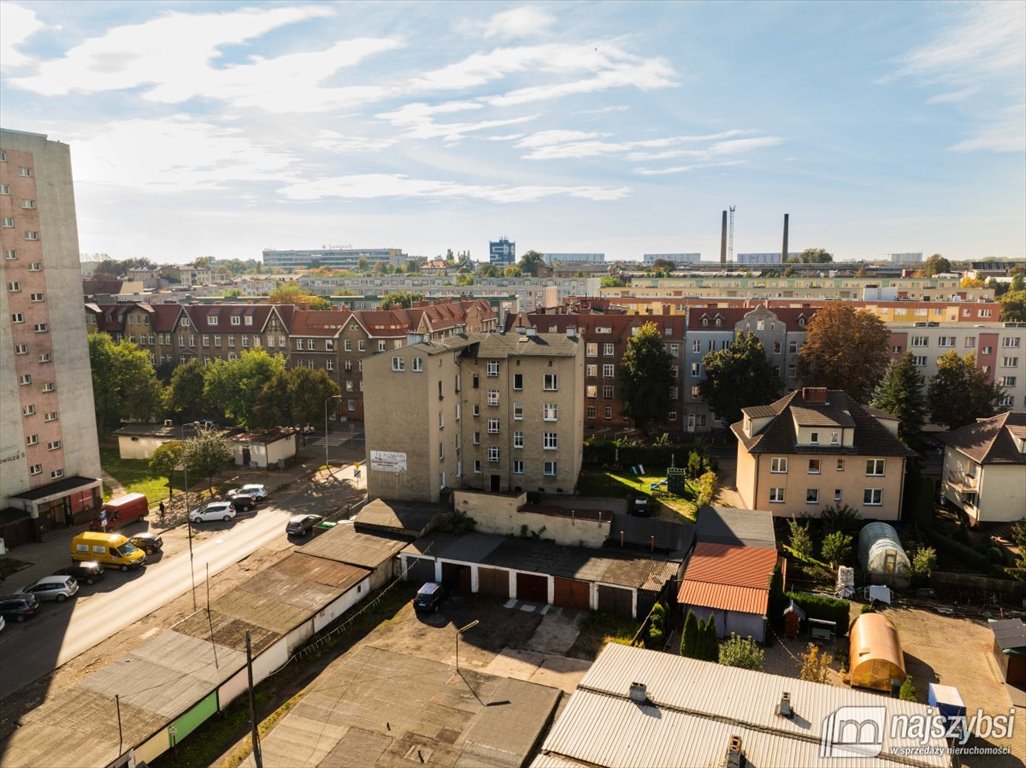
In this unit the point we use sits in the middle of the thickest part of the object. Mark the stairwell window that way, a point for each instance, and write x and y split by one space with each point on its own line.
418 364
493 368
493 397
550 411
518 439
493 454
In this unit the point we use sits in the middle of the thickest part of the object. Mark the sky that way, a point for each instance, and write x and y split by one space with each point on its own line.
221 129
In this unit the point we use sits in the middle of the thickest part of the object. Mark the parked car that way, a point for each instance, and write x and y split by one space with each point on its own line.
215 510
256 490
121 511
150 543
58 588
109 549
301 525
242 502
429 597
85 572
19 607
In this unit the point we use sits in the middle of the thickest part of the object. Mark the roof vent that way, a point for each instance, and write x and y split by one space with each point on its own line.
532 331
639 693
735 754
784 709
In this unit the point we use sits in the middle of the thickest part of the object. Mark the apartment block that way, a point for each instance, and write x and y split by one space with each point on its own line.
495 412
338 258
49 456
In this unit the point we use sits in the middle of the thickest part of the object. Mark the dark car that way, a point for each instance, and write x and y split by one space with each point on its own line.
301 525
429 597
85 572
150 543
18 607
243 502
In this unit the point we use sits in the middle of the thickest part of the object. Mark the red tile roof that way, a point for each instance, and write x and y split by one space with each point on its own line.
327 323
728 577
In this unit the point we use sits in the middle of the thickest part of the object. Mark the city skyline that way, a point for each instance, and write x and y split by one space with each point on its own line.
221 129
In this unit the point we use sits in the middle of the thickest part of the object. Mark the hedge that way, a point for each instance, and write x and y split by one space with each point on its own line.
961 553
823 607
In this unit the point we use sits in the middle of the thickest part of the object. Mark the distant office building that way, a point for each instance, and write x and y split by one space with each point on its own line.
906 258
762 258
674 258
574 258
49 456
502 251
339 258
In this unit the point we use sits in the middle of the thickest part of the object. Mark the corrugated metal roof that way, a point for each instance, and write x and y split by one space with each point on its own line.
344 544
726 564
723 525
693 709
724 597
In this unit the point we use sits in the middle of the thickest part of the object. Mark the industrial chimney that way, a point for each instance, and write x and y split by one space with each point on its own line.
783 254
723 240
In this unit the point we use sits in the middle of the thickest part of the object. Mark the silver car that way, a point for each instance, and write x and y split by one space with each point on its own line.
58 588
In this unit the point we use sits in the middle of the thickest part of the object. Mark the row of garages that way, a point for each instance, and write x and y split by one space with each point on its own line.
622 583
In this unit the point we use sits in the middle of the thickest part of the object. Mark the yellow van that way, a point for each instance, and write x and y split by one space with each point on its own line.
108 549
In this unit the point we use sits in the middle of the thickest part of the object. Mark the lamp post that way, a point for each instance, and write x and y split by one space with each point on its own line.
333 397
188 519
459 632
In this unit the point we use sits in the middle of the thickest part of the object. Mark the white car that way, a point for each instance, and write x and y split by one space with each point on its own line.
256 490
58 588
215 510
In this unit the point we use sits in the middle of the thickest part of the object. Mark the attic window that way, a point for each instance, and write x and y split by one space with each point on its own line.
719 321
705 321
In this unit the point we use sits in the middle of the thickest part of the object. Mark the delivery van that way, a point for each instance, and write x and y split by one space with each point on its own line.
111 550
120 511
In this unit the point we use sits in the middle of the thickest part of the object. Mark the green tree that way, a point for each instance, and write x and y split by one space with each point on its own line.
232 386
739 376
708 643
488 270
1013 306
844 349
403 299
512 271
206 454
412 267
125 386
901 392
936 265
308 392
800 540
531 262
689 636
1018 569
610 281
362 263
708 487
924 562
960 393
291 293
166 461
812 256
907 692
464 279
273 407
184 395
663 265
742 652
646 374
837 548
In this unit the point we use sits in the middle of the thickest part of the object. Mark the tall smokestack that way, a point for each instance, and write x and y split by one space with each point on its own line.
723 240
783 253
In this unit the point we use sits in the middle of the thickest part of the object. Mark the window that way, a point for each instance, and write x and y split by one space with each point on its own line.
814 466
205 340
518 380
591 370
26 378
7 222
608 350
381 346
591 412
518 439
21 349
309 345
872 497
35 266
970 341
36 469
550 411
1007 401
360 345
776 347
696 345
40 327
17 317
1010 342
493 367
551 382
32 440
946 341
550 469
1009 362
192 341
518 411
50 416
986 350
607 391
231 340
1007 381
671 415
792 347
418 365
674 350
591 349
493 454
778 466
896 349
477 467
493 426
24 171
398 364
814 438
812 496
5 189
696 369
248 320
607 412
591 390
10 254
14 287
608 371
984 313
518 467
57 473
550 441
919 341
875 467
31 234
919 360
53 445
217 339
776 495
493 397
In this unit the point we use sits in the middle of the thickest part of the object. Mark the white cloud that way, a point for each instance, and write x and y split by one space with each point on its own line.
333 141
17 24
563 144
684 168
519 22
952 97
417 120
717 149
380 185
1002 133
549 138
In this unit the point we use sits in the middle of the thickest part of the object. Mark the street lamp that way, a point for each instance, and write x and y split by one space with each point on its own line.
333 397
459 632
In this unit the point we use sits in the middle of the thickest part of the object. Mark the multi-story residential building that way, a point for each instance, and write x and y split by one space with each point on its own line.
999 349
502 252
905 258
573 258
681 259
984 473
187 276
771 257
814 448
49 456
496 412
339 258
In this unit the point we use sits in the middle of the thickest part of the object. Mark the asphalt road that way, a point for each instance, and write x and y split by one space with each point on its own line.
60 632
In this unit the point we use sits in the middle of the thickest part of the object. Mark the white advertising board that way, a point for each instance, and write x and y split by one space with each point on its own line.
388 461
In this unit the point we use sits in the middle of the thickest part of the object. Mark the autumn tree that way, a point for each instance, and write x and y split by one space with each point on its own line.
815 665
402 299
646 376
1013 306
738 377
936 265
291 293
531 262
844 349
960 393
125 386
902 393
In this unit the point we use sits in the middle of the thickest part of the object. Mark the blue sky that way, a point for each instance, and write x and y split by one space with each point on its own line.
220 129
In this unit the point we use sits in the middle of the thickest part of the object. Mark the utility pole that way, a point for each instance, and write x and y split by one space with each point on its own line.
121 742
210 621
257 757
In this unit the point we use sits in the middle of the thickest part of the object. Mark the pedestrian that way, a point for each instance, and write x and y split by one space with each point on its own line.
163 509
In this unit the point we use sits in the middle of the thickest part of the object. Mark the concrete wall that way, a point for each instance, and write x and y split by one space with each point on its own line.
1002 492
499 514
138 446
727 622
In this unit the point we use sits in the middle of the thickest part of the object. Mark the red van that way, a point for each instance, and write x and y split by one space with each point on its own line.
121 511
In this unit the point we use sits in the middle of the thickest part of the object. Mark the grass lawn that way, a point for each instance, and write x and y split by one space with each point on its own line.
136 476
598 629
598 482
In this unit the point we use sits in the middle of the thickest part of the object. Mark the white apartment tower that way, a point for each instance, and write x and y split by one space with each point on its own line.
49 455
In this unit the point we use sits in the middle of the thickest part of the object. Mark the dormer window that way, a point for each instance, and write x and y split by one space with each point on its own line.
705 321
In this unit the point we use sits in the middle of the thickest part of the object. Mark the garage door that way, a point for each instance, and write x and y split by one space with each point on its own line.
420 570
493 581
532 588
456 577
615 600
571 593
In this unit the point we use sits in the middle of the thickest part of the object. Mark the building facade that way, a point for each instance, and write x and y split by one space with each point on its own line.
573 258
338 258
49 455
681 259
502 252
495 412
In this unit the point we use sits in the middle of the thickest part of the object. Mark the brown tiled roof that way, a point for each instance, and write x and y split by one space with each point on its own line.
778 436
827 415
501 345
586 324
729 315
991 441
728 577
311 322
200 314
165 317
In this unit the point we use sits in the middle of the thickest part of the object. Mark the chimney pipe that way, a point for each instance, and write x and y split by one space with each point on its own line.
784 710
783 253
723 240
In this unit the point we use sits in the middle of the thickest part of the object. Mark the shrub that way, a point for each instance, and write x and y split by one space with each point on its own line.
815 664
695 464
868 609
908 690
689 637
655 639
842 518
800 540
708 486
837 548
924 561
708 643
823 607
742 652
